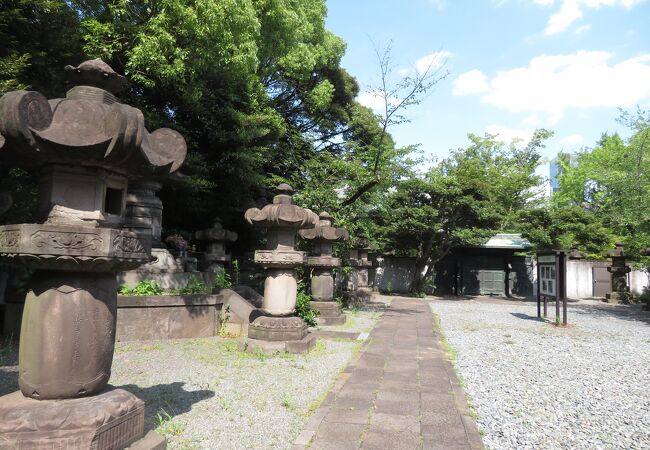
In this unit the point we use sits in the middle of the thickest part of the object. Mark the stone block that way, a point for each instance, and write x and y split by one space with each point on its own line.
329 313
151 441
167 317
111 420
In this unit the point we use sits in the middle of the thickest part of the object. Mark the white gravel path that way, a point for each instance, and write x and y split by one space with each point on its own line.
534 385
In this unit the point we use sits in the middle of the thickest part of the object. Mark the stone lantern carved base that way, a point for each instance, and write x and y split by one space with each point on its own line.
111 420
278 334
270 328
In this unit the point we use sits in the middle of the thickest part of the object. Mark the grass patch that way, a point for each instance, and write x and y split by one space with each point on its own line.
166 426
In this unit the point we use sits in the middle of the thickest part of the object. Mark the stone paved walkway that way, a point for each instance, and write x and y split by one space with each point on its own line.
400 393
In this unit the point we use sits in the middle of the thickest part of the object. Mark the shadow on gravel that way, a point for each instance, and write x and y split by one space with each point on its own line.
632 313
166 400
527 317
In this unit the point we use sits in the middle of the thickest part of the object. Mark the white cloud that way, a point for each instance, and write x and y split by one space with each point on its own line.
572 10
432 61
551 84
374 100
569 12
471 82
582 29
508 135
439 4
572 139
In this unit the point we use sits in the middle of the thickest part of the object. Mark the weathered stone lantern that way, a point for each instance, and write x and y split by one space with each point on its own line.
216 238
322 263
282 219
85 149
358 286
619 270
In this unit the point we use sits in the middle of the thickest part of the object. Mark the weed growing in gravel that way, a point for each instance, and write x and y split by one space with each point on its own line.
287 401
165 425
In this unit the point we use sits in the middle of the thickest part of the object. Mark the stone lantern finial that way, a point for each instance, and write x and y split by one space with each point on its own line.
96 73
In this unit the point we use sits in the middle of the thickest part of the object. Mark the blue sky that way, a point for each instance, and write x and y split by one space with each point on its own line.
515 65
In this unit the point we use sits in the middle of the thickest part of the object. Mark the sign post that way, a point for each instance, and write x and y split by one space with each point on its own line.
551 282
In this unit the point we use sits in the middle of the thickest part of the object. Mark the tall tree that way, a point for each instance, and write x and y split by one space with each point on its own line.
612 181
462 200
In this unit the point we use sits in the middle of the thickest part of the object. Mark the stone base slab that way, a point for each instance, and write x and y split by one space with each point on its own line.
151 441
300 346
270 328
329 313
111 420
617 298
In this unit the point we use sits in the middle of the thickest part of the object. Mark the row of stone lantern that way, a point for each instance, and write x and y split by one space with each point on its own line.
98 170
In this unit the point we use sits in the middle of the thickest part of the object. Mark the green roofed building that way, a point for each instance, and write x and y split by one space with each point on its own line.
489 269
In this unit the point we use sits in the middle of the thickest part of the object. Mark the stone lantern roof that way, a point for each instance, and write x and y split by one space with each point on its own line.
617 252
282 213
323 235
282 219
89 127
85 150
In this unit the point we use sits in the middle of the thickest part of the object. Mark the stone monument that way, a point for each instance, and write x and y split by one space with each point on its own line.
322 262
277 328
85 149
216 238
619 270
358 280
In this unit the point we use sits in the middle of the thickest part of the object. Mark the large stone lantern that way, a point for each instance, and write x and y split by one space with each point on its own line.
85 149
619 270
281 219
322 263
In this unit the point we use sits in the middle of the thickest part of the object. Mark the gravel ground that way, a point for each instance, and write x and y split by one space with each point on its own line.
534 385
206 394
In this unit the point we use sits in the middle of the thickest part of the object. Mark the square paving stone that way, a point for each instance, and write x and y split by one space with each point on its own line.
400 377
358 416
440 403
361 393
389 384
433 444
399 395
352 403
401 407
337 436
395 422
391 440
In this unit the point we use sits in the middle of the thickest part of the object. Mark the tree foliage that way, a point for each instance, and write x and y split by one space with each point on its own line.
463 200
612 183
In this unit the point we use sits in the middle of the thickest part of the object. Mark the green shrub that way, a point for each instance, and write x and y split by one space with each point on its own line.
304 309
222 280
143 288
194 286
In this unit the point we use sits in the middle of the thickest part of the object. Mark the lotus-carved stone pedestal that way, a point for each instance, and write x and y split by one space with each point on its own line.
322 263
276 328
85 149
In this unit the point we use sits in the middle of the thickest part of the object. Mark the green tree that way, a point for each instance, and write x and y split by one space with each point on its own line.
612 181
461 201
